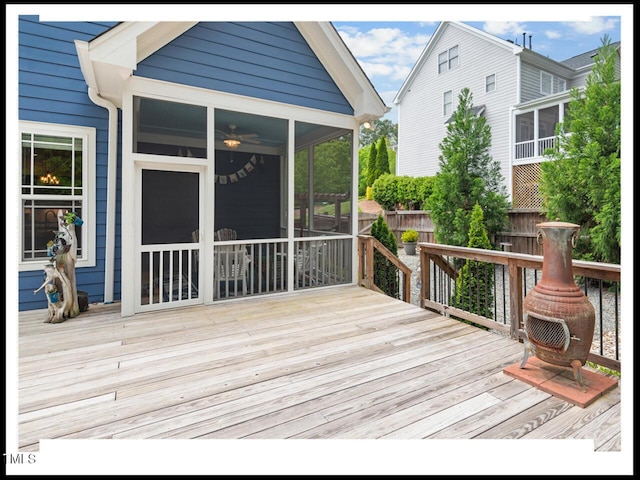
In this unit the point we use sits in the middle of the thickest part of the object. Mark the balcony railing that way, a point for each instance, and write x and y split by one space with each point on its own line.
533 148
514 275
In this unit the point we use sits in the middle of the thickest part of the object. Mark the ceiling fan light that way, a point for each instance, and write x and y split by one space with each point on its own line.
231 142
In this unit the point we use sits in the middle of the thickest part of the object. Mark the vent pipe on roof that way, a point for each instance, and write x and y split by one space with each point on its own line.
524 40
530 42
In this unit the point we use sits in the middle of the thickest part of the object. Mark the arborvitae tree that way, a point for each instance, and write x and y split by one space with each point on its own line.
468 175
382 159
474 285
385 273
582 183
372 165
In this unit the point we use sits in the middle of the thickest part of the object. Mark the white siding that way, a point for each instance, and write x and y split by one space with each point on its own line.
530 82
421 124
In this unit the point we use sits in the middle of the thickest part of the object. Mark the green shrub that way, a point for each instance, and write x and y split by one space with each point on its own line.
411 193
424 188
385 191
474 285
385 273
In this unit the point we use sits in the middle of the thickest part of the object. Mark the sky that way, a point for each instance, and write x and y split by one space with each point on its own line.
387 51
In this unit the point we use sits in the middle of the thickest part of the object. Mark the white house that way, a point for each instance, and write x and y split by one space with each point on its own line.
522 93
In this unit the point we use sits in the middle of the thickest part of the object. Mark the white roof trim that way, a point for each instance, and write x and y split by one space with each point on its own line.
108 60
433 41
347 73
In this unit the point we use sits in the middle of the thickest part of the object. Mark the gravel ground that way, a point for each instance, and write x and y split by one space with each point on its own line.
608 304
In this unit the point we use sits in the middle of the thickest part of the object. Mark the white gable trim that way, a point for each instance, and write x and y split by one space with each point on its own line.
110 59
347 73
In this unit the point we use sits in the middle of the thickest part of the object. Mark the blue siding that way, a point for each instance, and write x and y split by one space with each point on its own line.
271 61
52 89
264 60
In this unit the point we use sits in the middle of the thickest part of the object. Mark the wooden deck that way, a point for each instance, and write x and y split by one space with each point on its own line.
336 363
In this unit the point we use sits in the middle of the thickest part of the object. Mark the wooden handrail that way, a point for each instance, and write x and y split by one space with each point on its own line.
366 246
515 262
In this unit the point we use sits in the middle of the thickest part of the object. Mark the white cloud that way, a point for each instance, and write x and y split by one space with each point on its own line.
595 26
553 34
504 28
384 52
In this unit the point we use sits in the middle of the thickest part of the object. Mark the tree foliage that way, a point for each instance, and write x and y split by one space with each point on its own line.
372 165
382 159
382 128
468 175
474 285
393 191
332 168
385 273
582 183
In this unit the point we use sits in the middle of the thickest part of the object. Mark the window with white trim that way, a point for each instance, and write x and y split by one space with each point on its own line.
57 173
448 60
562 85
442 62
546 83
453 57
490 83
447 103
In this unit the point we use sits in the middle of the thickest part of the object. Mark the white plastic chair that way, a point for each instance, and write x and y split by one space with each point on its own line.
231 274
226 234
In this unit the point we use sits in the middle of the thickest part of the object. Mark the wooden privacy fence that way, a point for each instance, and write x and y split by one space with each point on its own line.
520 238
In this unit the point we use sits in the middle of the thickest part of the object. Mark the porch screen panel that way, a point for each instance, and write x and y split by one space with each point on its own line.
250 174
525 134
169 253
170 207
169 128
323 179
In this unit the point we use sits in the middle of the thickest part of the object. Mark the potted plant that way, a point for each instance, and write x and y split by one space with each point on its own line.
409 240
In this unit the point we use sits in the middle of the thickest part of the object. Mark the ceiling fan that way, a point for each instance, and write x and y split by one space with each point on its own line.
231 139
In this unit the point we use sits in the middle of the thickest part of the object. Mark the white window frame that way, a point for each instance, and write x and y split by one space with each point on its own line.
448 62
88 136
546 78
446 113
443 62
454 61
562 84
487 84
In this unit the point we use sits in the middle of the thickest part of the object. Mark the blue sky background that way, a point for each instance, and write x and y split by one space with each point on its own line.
387 51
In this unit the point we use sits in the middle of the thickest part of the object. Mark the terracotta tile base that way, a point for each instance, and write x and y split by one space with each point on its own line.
559 381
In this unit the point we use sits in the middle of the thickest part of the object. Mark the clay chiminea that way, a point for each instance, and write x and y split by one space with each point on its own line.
559 320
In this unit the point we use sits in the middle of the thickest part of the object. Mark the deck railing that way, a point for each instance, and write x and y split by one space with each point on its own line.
514 275
533 148
368 246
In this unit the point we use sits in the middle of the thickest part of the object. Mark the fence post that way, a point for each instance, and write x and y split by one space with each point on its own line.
425 281
515 299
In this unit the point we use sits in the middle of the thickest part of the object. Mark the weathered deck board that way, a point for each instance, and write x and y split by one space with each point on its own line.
342 363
